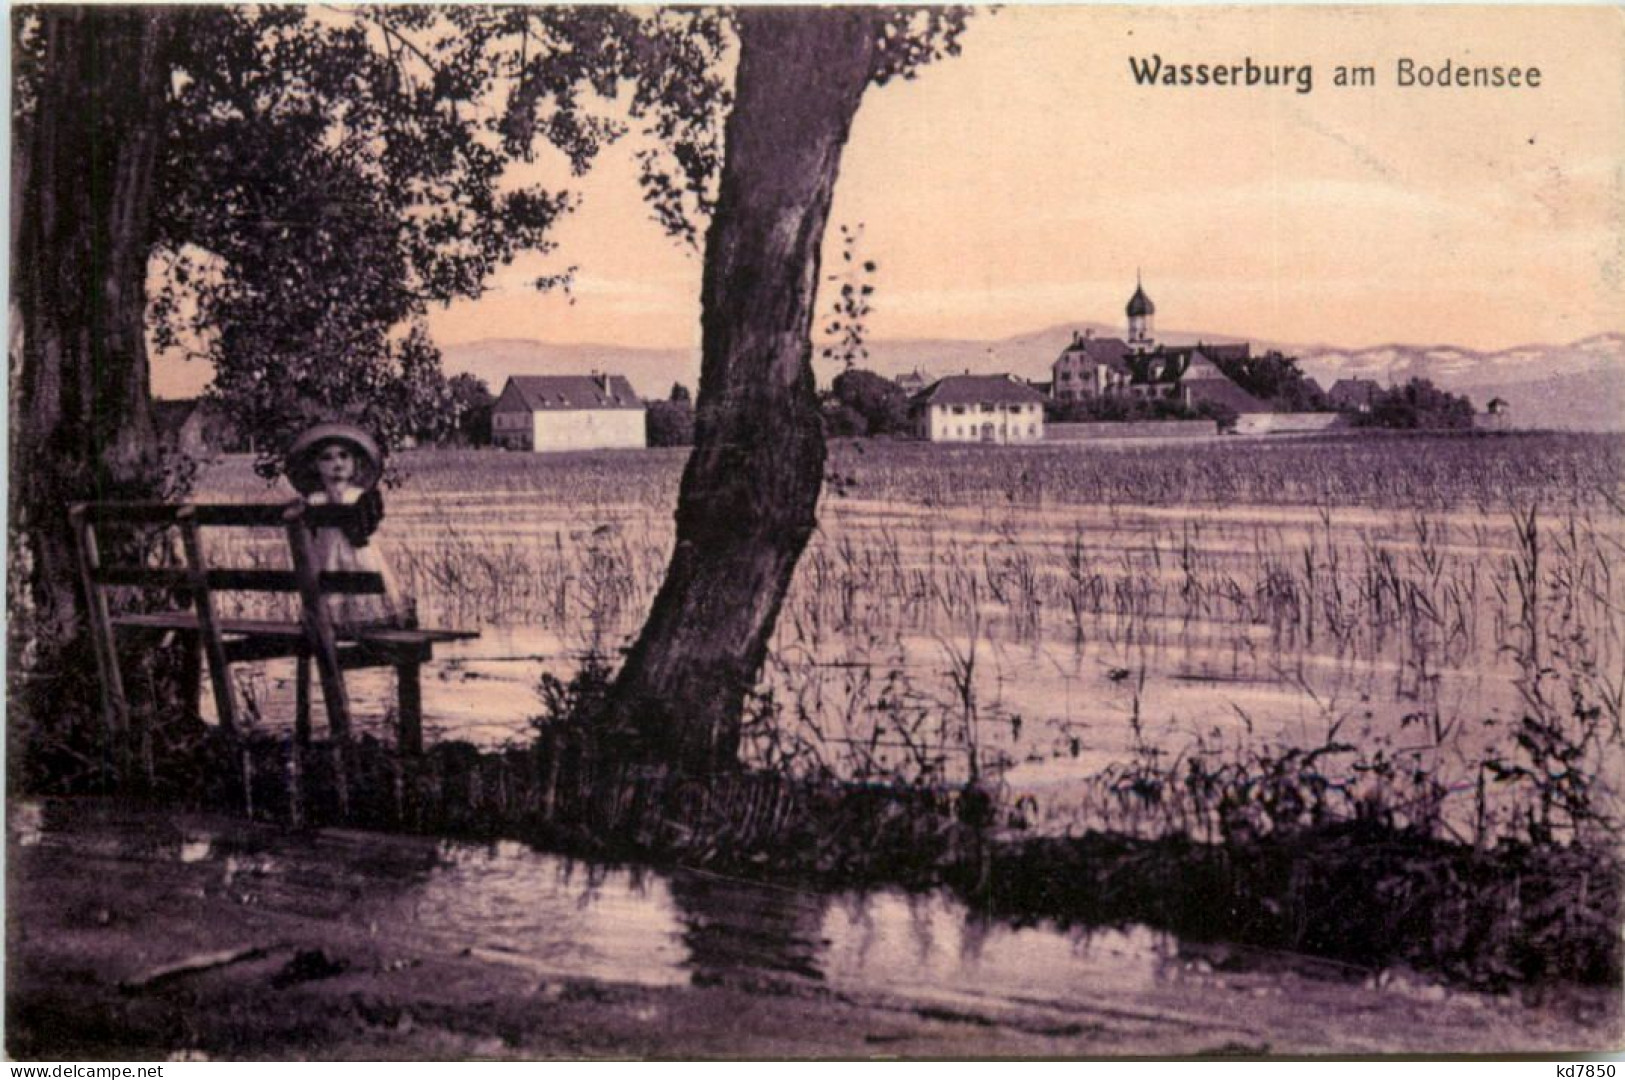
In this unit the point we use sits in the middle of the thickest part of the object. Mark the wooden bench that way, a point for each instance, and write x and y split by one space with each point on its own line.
313 638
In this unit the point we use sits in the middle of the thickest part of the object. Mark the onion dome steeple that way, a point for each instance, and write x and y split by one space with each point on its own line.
1140 309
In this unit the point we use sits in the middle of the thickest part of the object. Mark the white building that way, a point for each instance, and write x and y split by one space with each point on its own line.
980 409
568 412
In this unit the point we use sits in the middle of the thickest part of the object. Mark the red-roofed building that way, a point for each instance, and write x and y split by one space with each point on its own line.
997 409
568 412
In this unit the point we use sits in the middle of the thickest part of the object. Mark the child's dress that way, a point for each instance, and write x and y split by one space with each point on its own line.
335 552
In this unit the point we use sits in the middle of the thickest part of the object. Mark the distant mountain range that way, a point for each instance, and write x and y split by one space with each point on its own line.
1578 386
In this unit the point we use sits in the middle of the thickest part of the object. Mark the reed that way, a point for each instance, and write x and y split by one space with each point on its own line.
1340 568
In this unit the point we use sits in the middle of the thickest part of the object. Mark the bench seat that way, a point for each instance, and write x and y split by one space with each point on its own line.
247 640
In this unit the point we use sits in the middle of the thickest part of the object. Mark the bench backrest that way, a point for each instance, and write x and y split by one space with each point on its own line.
189 518
197 581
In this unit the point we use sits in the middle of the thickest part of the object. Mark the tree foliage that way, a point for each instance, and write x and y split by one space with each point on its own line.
326 178
1221 414
308 181
1417 405
472 403
848 327
878 402
670 423
1273 378
302 183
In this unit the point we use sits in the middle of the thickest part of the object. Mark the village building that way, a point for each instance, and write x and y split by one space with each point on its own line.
913 382
1200 382
1093 367
193 427
1090 367
568 412
1497 416
998 409
1353 395
1174 372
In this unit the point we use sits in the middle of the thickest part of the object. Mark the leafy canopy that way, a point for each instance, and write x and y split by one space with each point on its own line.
326 176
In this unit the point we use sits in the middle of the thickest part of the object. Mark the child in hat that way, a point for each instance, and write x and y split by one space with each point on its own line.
340 465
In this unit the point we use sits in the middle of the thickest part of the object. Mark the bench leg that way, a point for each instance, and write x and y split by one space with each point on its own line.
410 692
301 701
300 743
192 675
296 785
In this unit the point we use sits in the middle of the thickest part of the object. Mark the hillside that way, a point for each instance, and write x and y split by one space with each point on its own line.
650 371
1578 386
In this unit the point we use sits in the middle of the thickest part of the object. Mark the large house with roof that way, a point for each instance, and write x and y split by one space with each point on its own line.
1091 367
1197 380
568 412
998 409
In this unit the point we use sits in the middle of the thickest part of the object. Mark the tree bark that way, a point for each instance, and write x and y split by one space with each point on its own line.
747 504
87 156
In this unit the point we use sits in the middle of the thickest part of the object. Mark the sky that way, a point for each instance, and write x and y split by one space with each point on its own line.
1024 183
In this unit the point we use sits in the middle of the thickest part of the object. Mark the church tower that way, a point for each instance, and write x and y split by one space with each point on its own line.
1140 311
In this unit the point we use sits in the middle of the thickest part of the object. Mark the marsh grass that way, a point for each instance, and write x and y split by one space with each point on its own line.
1413 558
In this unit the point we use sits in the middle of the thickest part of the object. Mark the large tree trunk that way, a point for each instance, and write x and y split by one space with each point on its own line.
85 156
750 491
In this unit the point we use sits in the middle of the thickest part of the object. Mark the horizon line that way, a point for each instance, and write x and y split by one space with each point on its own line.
1387 343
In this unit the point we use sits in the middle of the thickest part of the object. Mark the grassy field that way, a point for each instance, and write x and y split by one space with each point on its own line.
1216 638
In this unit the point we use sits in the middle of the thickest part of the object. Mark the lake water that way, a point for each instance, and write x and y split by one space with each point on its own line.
1050 643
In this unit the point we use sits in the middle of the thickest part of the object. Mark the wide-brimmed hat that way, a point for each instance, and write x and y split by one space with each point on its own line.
301 459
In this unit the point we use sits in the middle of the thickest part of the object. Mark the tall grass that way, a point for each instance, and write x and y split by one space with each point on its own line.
1409 559
1368 469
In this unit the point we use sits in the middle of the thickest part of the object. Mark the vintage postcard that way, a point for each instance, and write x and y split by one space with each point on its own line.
1070 531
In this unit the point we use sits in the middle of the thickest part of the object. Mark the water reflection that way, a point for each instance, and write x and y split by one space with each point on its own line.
562 919
705 928
915 944
733 928
553 914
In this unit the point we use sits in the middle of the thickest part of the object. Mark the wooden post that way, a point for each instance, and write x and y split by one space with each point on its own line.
192 675
225 705
409 690
319 636
296 785
301 700
115 707
300 743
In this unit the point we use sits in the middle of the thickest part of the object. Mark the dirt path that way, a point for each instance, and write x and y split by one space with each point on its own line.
128 938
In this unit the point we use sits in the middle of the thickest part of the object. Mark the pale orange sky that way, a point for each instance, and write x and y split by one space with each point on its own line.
1021 184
